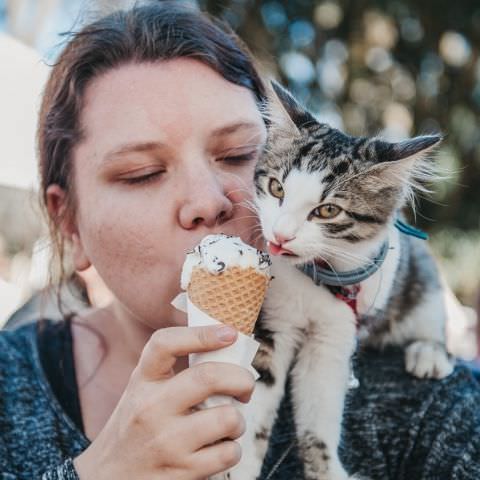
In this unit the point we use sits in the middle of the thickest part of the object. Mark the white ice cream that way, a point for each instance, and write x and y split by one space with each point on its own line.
216 253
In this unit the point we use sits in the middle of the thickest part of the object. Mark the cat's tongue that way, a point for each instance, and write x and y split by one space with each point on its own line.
275 249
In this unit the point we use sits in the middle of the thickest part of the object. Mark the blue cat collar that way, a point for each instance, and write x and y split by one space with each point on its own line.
325 276
409 230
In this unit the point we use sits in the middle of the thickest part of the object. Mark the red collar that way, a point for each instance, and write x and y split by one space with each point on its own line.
348 295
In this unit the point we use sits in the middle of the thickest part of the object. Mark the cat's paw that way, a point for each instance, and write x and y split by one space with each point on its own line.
330 469
427 359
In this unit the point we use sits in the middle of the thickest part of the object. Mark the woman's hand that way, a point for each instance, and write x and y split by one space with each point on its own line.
154 433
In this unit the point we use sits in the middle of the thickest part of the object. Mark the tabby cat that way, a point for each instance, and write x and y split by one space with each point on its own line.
344 270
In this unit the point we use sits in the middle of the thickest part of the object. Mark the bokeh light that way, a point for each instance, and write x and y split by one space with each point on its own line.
378 59
380 30
455 49
398 121
274 15
328 15
301 33
297 67
411 29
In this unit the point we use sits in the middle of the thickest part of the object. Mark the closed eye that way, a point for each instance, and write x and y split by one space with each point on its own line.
142 179
238 159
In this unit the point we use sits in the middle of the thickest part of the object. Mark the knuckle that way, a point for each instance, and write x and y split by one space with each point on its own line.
245 383
230 454
205 374
249 382
142 406
163 443
166 454
232 419
160 339
140 414
204 336
138 418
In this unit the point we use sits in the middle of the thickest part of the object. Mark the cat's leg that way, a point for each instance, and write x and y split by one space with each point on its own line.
426 354
414 316
319 382
428 359
272 362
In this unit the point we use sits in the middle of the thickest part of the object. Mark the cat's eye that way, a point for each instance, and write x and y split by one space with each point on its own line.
276 189
327 211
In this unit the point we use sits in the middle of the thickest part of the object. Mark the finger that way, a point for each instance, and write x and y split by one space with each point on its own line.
165 345
216 458
195 384
211 425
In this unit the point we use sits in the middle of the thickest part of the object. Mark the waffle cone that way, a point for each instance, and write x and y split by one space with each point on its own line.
233 297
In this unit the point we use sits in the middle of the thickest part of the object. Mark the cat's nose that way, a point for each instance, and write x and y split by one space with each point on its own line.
281 239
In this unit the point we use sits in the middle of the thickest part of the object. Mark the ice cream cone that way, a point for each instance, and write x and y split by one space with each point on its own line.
233 297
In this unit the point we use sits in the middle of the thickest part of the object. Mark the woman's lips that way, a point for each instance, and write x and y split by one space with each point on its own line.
275 249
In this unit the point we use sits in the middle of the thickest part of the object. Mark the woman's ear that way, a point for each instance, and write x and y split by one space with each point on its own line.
65 221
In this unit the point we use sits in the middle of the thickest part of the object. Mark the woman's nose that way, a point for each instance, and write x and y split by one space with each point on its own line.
206 203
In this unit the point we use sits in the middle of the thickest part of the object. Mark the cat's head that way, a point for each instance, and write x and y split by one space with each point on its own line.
322 193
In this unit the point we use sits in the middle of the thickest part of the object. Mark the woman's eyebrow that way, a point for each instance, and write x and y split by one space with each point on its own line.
234 127
133 147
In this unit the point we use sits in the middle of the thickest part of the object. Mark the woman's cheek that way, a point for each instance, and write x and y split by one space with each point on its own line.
119 238
136 264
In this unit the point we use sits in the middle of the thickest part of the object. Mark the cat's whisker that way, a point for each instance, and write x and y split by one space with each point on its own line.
341 254
257 237
249 202
327 262
335 250
235 190
250 206
237 218
348 255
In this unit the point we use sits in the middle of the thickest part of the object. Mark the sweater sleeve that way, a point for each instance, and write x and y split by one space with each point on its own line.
65 471
448 441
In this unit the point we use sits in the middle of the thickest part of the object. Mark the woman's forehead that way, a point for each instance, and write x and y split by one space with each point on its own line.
164 97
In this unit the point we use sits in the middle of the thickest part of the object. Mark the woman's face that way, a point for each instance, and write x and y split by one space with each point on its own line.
167 158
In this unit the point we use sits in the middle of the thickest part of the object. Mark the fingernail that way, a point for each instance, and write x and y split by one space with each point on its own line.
226 333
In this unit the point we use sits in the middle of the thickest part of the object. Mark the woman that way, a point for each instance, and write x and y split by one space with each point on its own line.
148 136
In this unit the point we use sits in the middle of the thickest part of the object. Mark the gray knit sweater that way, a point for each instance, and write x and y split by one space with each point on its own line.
395 426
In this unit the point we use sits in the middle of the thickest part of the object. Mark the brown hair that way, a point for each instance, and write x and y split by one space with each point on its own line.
145 33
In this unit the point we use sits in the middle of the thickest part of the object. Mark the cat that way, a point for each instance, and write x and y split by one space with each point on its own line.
329 206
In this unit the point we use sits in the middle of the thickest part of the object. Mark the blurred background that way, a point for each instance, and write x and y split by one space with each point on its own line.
389 67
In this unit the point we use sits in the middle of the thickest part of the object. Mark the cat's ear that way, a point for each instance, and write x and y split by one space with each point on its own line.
406 160
407 151
295 111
